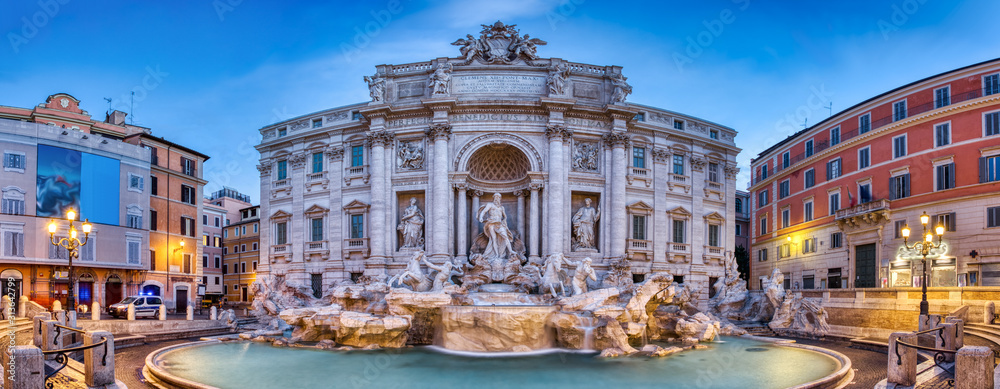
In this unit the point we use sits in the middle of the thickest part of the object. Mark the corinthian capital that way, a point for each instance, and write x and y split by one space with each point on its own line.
335 153
439 130
380 138
557 132
617 139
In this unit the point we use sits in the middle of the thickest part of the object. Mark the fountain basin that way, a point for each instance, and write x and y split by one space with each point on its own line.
725 364
492 328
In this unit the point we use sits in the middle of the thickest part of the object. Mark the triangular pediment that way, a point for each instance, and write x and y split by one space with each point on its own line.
679 211
356 205
715 216
316 209
280 215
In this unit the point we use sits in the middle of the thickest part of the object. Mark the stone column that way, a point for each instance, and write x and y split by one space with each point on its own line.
29 368
534 230
618 141
905 373
476 194
661 220
99 362
520 214
377 141
336 236
463 224
974 368
556 207
439 133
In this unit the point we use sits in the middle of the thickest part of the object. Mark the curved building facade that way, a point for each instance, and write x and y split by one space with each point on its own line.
355 190
831 200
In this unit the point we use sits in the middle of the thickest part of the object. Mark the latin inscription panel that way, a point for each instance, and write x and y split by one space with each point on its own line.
499 84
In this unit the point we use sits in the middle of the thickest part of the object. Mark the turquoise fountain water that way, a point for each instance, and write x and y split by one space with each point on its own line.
731 363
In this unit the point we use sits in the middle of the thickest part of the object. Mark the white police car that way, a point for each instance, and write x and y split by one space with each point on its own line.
144 306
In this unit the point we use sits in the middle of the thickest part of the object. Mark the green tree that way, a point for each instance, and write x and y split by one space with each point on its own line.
743 262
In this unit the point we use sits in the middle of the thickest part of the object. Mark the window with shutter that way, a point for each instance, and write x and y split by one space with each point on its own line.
992 122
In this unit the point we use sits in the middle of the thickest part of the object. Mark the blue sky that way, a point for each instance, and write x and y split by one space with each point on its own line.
208 74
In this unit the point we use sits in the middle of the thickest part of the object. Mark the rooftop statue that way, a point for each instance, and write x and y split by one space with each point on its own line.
498 44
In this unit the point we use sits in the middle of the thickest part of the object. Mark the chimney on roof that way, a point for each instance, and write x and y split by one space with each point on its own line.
116 117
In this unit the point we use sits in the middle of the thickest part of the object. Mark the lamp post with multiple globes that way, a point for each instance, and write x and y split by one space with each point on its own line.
72 245
923 247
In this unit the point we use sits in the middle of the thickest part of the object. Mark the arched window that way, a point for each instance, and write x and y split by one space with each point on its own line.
739 205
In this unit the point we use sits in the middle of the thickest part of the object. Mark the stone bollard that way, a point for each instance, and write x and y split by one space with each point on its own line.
131 312
56 305
71 319
29 368
49 339
904 374
163 312
974 368
959 331
22 306
99 362
213 314
5 305
928 322
948 342
60 316
989 312
36 331
95 311
190 312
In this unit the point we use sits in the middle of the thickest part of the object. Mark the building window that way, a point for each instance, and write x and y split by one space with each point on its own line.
255 246
761 255
357 156
714 134
899 186
132 251
317 285
834 203
152 220
835 136
282 131
944 176
243 248
713 172
991 84
864 157
864 123
739 230
187 226
992 124
204 220
762 198
942 135
899 146
639 157
243 267
809 148
317 123
679 165
134 182
187 166
784 188
865 193
355 115
225 250
739 205
763 171
810 179
713 235
14 162
785 251
786 218
942 97
216 280
808 245
13 201
204 261
133 220
317 162
282 170
254 265
785 159
357 226
153 187
218 262
833 169
317 229
763 225
187 194
989 169
281 233
679 231
678 125
993 217
217 222
836 240
945 219
898 227
13 243
899 110
639 227
807 211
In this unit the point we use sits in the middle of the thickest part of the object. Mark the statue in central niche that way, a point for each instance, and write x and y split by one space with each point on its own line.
498 252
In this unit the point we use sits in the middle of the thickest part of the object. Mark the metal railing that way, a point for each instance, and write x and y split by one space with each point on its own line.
62 355
873 125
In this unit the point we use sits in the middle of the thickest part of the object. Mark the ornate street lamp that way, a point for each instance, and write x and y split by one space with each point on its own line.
72 246
923 247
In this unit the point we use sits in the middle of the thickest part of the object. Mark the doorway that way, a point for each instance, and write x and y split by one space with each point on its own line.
112 290
12 286
181 295
86 293
866 269
243 294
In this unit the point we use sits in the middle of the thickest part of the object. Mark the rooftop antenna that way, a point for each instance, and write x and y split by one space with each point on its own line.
131 113
829 107
805 123
108 99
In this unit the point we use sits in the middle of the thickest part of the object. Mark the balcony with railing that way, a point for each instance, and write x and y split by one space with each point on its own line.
674 247
281 251
870 213
319 248
355 171
355 245
640 245
638 173
873 125
282 183
864 208
314 177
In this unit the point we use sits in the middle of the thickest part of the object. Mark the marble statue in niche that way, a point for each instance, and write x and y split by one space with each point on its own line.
499 236
440 80
585 226
376 87
411 156
558 75
585 157
411 225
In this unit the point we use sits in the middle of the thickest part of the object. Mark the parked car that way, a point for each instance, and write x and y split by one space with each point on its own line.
144 306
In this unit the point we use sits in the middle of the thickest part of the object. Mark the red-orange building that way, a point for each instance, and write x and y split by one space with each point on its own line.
830 201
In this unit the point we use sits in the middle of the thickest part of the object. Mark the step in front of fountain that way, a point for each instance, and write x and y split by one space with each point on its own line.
490 328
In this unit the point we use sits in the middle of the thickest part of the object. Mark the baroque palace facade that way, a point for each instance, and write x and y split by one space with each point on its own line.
356 190
830 201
